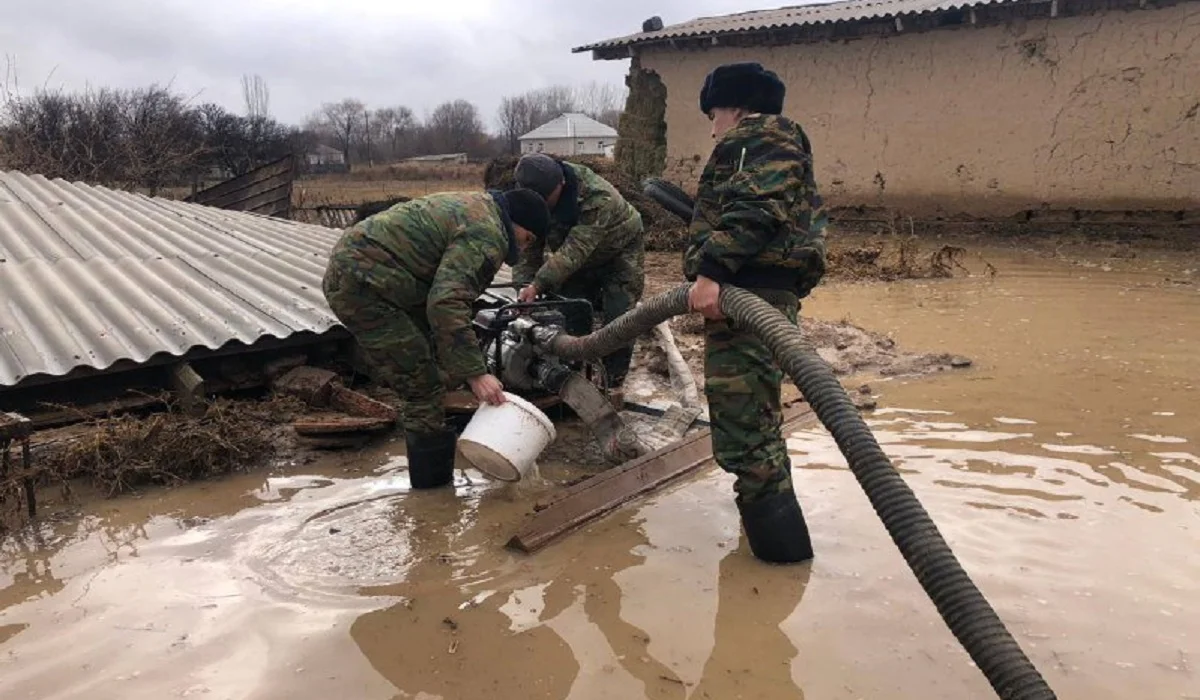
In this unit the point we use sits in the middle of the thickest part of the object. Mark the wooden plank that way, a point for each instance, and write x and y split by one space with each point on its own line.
356 404
70 416
189 388
572 507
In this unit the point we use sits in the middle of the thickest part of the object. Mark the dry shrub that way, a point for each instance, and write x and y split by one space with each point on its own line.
891 257
121 453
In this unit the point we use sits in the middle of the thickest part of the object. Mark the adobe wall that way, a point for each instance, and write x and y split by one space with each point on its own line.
1096 112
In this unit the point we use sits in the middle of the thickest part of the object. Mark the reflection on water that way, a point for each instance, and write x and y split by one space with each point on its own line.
915 448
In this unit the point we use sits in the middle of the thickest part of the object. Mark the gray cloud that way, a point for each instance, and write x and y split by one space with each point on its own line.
384 52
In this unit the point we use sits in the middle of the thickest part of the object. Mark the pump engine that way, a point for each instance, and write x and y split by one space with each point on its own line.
505 331
513 338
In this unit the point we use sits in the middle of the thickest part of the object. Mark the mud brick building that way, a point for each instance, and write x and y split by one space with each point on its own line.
1010 108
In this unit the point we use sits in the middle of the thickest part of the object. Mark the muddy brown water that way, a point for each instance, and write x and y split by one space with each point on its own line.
1062 467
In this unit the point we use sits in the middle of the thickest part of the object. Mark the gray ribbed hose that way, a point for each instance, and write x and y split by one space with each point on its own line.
968 615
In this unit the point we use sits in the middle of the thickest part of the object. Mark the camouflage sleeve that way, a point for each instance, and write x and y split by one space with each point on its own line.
755 202
468 266
566 261
528 263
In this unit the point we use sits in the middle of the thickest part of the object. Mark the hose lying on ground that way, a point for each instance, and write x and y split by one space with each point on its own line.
964 609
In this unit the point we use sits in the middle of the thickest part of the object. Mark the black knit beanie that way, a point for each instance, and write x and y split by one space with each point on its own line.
528 210
538 172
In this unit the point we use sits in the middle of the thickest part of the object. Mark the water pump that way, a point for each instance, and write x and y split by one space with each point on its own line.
511 335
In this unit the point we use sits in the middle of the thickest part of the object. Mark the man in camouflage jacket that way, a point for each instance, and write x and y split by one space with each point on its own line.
404 280
758 224
595 249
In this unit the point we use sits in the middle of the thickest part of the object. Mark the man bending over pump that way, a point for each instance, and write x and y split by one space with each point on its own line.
404 280
595 250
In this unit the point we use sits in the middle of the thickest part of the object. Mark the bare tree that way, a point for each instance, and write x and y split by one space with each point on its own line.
256 96
393 129
611 117
514 117
345 122
551 102
599 99
163 137
454 127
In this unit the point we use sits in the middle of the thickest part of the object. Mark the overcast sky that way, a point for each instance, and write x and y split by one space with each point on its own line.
385 52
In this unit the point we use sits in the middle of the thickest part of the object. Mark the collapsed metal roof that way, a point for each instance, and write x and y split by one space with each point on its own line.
91 276
787 17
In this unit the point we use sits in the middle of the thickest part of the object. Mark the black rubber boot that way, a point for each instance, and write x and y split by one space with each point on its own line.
776 529
430 458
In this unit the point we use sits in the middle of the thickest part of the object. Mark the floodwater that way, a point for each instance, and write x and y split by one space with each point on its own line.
1063 468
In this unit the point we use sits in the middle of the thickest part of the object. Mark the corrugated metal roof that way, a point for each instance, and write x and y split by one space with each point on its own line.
91 276
794 16
571 125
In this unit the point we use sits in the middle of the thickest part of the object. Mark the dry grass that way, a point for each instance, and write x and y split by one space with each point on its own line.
419 172
118 454
327 190
383 182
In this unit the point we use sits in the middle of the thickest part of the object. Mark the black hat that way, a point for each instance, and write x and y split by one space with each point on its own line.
743 85
528 210
538 172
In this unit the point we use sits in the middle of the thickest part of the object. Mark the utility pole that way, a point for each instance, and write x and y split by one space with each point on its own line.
367 126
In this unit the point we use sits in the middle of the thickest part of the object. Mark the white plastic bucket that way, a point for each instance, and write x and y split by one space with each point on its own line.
504 441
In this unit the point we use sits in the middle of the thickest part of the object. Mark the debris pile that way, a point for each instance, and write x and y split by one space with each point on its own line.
121 453
350 419
118 453
893 257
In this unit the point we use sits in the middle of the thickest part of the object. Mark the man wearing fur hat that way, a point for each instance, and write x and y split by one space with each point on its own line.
759 225
595 249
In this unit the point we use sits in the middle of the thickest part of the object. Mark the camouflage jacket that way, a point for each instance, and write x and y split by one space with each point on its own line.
452 243
591 225
759 220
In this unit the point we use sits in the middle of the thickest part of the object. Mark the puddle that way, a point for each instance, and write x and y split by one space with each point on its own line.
1061 467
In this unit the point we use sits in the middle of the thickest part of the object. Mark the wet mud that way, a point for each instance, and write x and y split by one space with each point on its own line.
1061 466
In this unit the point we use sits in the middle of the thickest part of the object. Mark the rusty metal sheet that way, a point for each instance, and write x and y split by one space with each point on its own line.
572 507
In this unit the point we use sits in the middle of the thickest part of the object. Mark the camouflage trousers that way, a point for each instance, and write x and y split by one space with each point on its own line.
383 306
742 383
613 288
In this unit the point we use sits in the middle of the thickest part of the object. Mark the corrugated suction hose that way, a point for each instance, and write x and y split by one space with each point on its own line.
964 609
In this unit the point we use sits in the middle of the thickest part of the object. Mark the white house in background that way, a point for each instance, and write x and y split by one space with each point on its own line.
326 155
571 134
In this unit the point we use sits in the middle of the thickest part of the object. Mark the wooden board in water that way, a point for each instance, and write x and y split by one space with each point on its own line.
576 505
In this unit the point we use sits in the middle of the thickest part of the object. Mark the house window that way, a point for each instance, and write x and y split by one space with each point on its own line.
539 147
